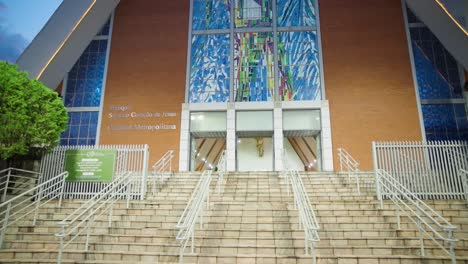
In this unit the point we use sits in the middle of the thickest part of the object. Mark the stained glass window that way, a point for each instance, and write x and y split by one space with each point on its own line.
211 14
210 71
248 71
439 85
299 69
445 122
295 13
253 13
253 66
83 91
84 83
81 130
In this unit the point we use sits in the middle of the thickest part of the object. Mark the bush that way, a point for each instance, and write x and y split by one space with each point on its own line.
32 116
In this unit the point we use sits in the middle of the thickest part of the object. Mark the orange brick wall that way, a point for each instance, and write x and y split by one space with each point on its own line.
146 73
368 79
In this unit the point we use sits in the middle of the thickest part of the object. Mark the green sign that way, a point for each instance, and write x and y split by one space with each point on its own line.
90 165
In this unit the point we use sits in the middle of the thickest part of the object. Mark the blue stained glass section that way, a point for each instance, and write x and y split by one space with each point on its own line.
211 14
105 29
81 129
296 13
445 122
432 85
443 63
210 71
299 68
84 85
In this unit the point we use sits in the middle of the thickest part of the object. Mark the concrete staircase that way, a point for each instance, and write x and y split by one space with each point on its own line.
251 221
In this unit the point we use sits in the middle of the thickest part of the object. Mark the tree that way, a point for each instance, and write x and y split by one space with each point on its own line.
32 116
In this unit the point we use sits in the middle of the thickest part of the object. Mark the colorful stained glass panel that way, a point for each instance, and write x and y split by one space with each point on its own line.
299 68
295 13
211 14
253 13
210 71
254 67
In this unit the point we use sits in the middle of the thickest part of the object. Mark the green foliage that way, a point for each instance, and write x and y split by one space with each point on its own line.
32 116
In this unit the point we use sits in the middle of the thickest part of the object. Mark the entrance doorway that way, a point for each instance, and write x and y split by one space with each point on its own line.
255 153
206 153
303 152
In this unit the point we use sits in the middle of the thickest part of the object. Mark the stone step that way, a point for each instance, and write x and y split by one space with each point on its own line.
247 230
263 239
439 206
150 257
279 247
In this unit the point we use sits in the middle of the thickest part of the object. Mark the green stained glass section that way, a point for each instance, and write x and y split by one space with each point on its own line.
253 13
254 66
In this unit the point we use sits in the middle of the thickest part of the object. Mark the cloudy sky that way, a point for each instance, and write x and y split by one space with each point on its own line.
20 21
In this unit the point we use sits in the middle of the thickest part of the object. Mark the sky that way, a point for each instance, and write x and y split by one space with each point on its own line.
20 21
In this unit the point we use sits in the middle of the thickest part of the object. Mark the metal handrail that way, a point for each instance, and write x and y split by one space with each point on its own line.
307 219
11 175
161 167
28 202
221 169
83 217
349 166
192 212
464 176
417 211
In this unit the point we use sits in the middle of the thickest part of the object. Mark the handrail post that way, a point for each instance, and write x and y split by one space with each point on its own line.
88 232
398 219
314 254
5 225
421 238
38 203
144 177
452 246
111 209
129 185
356 175
61 246
181 254
6 185
378 185
464 176
62 189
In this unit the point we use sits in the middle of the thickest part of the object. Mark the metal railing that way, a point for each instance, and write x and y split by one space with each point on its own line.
28 202
82 219
162 169
349 166
464 175
428 221
221 169
134 158
429 170
193 211
307 219
15 181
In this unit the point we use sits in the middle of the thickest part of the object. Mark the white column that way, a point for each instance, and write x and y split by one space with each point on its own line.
231 138
327 147
184 147
278 137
